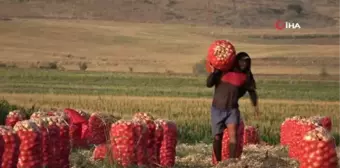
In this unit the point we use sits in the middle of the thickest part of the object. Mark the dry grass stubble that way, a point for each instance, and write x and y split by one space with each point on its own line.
191 115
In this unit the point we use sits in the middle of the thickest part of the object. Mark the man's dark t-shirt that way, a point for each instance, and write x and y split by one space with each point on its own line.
230 87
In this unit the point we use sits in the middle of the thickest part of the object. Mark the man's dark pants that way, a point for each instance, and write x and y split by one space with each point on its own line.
220 118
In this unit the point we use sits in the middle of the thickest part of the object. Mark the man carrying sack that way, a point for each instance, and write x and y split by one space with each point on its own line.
232 79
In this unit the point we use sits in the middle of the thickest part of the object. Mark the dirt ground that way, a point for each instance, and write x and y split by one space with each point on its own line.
199 156
253 157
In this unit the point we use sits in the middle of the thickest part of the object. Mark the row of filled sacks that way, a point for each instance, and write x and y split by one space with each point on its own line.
141 141
35 143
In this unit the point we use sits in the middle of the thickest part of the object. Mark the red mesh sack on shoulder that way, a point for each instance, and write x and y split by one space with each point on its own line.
30 144
10 147
221 55
318 150
13 117
225 144
207 66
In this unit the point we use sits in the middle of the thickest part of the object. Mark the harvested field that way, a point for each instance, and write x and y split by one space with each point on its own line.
148 47
199 155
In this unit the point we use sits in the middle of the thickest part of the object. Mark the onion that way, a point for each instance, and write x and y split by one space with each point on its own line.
13 117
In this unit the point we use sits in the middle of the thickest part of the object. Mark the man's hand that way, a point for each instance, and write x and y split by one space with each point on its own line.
212 68
257 112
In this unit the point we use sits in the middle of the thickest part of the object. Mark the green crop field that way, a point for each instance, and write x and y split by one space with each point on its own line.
181 98
126 84
184 99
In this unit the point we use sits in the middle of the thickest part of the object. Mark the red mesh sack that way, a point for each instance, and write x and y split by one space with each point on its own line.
298 130
54 144
158 138
75 136
45 139
167 150
85 133
99 127
207 66
76 116
285 130
14 116
141 141
78 121
30 144
39 114
2 146
10 150
64 143
123 143
59 114
148 119
319 150
250 136
221 55
324 121
100 152
225 144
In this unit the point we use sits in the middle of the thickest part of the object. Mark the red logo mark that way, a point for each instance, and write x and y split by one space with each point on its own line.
279 25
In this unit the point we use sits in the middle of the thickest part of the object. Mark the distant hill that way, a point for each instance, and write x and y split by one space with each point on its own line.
236 13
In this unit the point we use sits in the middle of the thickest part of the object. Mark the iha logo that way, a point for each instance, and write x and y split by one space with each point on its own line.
280 25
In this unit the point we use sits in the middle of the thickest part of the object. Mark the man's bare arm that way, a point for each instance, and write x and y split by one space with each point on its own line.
253 97
213 78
